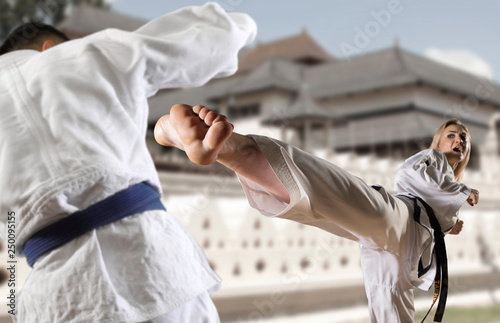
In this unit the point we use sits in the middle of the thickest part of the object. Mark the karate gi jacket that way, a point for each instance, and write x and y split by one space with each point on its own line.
428 175
72 132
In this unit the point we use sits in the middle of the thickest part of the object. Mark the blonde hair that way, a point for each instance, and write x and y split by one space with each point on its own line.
459 168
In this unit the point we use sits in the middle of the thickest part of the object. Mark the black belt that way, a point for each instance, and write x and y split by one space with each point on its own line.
441 278
135 199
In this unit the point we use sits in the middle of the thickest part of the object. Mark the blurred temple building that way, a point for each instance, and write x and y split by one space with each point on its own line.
365 114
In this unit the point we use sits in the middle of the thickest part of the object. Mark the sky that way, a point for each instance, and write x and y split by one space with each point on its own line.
463 33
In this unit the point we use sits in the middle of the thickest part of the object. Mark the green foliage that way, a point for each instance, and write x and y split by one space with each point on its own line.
487 314
16 12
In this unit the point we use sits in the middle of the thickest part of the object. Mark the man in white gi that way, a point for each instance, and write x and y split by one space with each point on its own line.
396 234
72 135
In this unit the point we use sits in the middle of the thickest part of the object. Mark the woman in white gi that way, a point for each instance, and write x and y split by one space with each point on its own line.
73 123
283 181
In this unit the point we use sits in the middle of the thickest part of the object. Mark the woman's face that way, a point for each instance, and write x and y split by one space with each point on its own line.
454 144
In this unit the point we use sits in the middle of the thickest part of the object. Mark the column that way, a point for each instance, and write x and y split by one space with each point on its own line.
283 132
330 142
307 134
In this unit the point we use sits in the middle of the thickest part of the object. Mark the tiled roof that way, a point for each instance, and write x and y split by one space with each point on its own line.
388 68
383 69
83 20
272 73
300 47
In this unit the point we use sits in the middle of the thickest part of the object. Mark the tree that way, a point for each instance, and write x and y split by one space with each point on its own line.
15 12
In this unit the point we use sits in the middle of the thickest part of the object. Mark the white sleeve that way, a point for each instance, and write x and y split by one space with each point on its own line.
429 176
185 48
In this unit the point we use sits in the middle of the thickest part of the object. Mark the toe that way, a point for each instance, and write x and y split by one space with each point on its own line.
203 112
210 118
197 108
217 135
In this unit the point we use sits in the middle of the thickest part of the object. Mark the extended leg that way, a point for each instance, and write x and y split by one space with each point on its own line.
316 192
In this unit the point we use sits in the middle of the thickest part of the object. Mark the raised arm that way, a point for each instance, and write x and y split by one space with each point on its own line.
204 41
185 48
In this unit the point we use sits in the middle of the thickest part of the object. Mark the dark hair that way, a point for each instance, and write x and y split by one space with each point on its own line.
29 35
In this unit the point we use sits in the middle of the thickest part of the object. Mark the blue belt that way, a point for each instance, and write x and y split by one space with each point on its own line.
135 199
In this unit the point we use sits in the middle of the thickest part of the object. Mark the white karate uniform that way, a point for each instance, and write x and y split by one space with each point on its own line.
325 196
72 133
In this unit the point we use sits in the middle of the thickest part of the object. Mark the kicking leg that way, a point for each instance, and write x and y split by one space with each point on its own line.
316 192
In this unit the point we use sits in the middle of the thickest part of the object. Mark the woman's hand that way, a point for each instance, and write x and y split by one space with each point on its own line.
473 197
457 228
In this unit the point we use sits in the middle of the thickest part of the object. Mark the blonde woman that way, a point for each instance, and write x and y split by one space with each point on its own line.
399 236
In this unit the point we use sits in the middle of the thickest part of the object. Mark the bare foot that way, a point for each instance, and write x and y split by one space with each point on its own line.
197 130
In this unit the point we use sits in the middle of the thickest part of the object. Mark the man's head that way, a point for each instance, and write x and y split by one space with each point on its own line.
32 36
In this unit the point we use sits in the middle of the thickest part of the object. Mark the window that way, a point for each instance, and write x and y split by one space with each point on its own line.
206 224
305 263
344 261
236 270
260 265
244 111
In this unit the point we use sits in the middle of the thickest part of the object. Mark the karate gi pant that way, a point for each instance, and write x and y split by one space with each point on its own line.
387 268
328 197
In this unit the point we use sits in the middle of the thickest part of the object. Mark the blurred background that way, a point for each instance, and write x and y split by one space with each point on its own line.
363 84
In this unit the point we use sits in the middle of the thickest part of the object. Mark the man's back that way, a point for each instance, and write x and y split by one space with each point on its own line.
73 121
69 123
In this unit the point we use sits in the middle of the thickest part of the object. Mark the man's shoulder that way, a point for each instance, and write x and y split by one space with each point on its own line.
16 57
